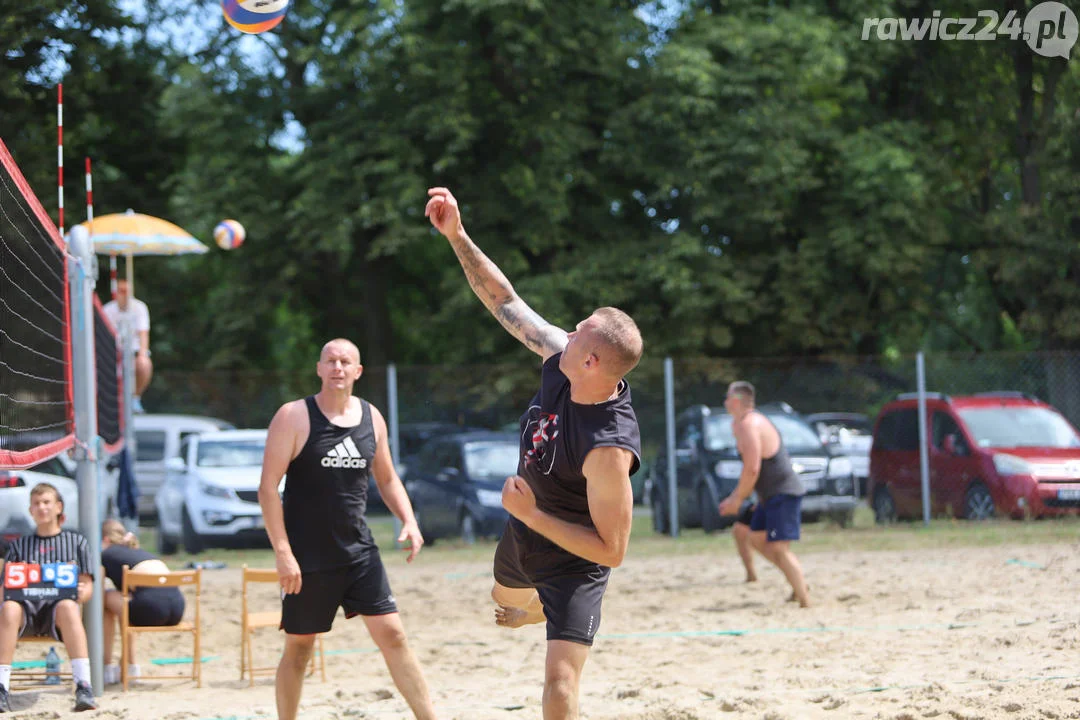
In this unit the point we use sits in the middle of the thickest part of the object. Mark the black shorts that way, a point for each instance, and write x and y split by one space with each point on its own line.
39 619
361 589
571 588
156 607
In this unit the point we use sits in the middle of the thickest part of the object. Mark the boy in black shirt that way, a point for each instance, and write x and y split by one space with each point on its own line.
60 619
571 503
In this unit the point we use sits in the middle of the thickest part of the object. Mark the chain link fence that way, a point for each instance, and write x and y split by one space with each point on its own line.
494 396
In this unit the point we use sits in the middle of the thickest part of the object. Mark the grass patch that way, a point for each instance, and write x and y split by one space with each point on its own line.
863 535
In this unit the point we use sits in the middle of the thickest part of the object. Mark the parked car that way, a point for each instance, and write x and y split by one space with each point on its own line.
851 434
158 438
455 484
411 437
989 453
708 469
211 491
15 487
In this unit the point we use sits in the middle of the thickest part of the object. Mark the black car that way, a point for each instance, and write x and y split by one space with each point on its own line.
708 467
411 437
455 484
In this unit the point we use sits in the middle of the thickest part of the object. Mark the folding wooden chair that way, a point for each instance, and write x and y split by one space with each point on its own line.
252 621
180 579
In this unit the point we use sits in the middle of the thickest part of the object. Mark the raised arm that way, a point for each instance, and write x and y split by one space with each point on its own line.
489 283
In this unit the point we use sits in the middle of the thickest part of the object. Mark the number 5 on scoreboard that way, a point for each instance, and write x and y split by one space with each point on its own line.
67 575
15 575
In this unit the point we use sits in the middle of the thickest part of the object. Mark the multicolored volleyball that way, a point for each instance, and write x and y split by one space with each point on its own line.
229 234
254 16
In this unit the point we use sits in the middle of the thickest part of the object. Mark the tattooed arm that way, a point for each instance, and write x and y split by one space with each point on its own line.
490 284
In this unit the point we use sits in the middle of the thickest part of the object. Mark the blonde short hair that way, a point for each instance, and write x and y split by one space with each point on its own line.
619 334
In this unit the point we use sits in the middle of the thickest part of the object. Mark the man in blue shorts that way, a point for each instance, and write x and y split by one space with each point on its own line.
766 470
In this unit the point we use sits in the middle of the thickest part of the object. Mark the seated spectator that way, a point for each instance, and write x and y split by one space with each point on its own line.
59 619
148 607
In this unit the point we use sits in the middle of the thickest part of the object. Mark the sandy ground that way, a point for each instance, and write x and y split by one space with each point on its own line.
956 634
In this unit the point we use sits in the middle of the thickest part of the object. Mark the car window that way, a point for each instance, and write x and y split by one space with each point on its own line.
941 426
150 445
718 435
899 430
488 460
449 456
1019 427
184 444
230 453
52 466
796 435
185 435
425 459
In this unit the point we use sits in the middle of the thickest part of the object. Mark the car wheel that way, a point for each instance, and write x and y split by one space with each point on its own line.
709 509
884 507
978 505
468 528
844 519
659 514
166 545
193 543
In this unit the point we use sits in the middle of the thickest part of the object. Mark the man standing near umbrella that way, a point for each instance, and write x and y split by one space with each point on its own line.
127 311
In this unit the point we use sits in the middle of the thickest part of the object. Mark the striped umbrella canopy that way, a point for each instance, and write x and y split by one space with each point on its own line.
133 233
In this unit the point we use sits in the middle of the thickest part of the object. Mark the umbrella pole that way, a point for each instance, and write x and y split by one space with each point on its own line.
130 277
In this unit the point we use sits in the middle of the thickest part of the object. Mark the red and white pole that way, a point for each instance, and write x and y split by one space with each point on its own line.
60 153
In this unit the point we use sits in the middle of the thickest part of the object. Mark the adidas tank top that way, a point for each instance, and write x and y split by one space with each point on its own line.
326 489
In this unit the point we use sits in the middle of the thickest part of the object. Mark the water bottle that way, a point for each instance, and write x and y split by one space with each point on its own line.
52 667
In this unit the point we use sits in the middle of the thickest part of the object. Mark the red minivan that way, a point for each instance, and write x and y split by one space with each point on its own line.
1002 453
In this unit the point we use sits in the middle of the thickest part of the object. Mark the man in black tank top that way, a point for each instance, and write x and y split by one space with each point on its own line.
570 503
767 470
326 446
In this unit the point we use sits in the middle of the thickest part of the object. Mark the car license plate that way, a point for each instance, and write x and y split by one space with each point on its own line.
812 484
1069 494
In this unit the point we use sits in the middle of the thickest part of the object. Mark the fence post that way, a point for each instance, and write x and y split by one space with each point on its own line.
392 411
669 414
84 396
924 450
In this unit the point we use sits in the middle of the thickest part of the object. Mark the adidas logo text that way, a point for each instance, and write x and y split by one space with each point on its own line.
334 462
344 455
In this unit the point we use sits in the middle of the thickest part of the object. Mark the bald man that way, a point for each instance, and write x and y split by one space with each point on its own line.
326 445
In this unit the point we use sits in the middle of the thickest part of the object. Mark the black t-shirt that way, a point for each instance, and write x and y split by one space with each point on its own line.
66 547
115 557
325 494
558 433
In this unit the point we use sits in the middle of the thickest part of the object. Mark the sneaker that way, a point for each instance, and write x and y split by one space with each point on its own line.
134 671
84 698
5 700
136 405
111 674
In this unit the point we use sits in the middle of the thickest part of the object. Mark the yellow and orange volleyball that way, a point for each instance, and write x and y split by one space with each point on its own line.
254 16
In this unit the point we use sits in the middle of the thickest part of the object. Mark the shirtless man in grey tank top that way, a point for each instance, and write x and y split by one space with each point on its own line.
766 469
